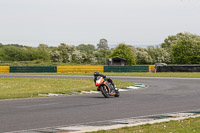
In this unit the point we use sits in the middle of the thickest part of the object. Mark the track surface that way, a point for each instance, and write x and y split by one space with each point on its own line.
164 95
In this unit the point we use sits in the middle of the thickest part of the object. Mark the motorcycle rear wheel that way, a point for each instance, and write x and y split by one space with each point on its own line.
105 91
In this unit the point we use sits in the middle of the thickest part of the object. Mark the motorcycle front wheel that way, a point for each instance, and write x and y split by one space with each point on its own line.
117 93
105 91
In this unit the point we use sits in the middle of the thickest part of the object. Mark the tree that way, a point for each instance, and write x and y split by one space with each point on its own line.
39 54
101 56
15 53
124 51
186 49
159 54
63 52
43 47
1 45
168 41
78 57
55 55
2 55
103 43
142 56
87 50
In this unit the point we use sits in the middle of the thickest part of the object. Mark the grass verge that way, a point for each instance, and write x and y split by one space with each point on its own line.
139 74
161 74
31 87
182 126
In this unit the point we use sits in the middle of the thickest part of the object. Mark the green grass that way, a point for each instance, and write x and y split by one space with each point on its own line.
140 74
31 87
161 74
191 125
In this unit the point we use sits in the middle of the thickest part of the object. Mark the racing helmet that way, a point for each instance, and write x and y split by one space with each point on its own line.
96 73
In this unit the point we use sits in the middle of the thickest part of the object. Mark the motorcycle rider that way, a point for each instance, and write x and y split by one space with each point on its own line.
96 74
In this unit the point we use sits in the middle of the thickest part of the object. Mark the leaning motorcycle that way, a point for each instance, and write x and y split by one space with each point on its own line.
106 88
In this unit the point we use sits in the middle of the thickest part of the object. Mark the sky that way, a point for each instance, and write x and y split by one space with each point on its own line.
74 22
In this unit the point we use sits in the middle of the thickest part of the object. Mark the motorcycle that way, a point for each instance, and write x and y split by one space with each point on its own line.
106 88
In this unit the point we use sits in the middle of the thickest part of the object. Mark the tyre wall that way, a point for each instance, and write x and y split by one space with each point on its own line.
79 69
180 68
75 69
126 68
33 69
4 69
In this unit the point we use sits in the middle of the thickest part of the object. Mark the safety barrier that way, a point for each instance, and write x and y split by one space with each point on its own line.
73 69
151 68
33 69
126 68
179 68
84 69
91 69
4 69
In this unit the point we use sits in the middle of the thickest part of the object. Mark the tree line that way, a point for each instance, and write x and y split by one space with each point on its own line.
182 48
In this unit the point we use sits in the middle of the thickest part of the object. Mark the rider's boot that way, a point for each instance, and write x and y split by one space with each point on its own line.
114 88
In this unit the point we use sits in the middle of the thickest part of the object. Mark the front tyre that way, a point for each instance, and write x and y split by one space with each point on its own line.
117 93
105 91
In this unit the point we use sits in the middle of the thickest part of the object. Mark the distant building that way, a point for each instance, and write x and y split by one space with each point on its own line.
116 61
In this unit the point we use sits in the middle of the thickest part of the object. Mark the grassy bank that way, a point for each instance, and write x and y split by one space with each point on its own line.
161 74
31 87
140 74
181 126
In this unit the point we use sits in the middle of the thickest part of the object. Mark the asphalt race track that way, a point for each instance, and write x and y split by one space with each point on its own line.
164 95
